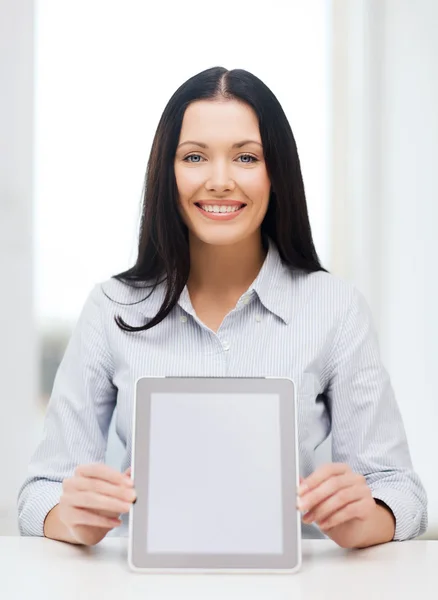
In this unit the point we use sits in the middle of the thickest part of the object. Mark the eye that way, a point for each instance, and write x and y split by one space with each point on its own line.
193 158
247 159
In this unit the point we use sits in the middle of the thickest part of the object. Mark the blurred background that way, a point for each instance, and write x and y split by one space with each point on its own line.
82 87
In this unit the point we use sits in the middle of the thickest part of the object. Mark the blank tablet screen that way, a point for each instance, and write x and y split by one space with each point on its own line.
215 474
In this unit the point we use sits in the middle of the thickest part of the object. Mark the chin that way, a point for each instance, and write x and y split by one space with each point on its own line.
220 238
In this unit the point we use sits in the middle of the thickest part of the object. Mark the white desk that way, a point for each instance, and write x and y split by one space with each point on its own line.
36 568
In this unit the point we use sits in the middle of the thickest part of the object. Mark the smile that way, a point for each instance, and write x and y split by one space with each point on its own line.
220 212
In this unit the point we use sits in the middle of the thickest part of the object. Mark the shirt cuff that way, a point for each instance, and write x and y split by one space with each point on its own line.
41 501
408 515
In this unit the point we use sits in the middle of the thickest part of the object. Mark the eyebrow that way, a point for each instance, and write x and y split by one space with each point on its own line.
237 145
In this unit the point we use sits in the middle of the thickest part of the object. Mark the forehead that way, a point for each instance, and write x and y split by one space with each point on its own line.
219 119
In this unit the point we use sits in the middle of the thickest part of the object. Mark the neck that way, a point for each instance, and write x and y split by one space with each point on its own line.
225 269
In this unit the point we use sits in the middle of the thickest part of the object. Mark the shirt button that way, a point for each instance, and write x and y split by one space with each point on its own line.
183 319
246 300
226 345
258 318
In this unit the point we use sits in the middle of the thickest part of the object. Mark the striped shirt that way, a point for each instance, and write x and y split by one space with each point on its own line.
313 328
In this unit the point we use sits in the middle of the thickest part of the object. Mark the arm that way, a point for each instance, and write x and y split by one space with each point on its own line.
76 424
367 428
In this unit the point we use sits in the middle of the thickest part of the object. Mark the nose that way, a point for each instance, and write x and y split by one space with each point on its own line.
219 178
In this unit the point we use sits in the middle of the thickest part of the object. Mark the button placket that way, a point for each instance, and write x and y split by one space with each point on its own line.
225 345
223 334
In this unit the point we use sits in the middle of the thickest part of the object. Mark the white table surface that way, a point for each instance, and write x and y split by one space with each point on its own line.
37 568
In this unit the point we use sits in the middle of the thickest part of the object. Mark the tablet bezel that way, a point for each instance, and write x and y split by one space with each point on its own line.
138 557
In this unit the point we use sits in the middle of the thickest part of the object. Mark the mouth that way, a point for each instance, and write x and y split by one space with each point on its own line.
220 211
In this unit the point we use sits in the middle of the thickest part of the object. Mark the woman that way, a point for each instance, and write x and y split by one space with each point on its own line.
227 283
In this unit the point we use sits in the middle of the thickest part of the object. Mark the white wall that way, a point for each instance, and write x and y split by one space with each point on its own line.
410 220
385 196
17 339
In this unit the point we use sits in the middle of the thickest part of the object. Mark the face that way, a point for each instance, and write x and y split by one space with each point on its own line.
220 172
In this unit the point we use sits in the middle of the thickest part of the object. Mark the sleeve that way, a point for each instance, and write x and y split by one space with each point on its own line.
367 428
77 418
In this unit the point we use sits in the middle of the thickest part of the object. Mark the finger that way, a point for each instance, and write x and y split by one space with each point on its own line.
128 472
98 486
97 502
101 471
105 513
352 511
337 502
81 516
320 475
327 488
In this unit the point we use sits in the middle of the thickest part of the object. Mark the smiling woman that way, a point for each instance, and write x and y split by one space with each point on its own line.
227 283
223 140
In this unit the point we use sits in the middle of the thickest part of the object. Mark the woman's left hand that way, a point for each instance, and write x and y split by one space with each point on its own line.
337 500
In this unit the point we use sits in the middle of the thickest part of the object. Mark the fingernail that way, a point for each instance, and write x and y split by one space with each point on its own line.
130 495
301 505
307 519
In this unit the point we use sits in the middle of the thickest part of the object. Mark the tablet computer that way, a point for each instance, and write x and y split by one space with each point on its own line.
215 467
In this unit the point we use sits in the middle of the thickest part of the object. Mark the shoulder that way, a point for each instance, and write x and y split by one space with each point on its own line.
131 301
326 287
119 291
329 295
323 284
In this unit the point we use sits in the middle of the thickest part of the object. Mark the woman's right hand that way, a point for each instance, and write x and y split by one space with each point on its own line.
92 501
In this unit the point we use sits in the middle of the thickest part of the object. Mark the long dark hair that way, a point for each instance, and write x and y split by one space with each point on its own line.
163 248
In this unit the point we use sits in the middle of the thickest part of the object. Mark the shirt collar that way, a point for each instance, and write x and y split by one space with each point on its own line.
273 286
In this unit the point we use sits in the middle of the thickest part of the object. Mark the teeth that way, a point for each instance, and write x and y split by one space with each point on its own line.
220 209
